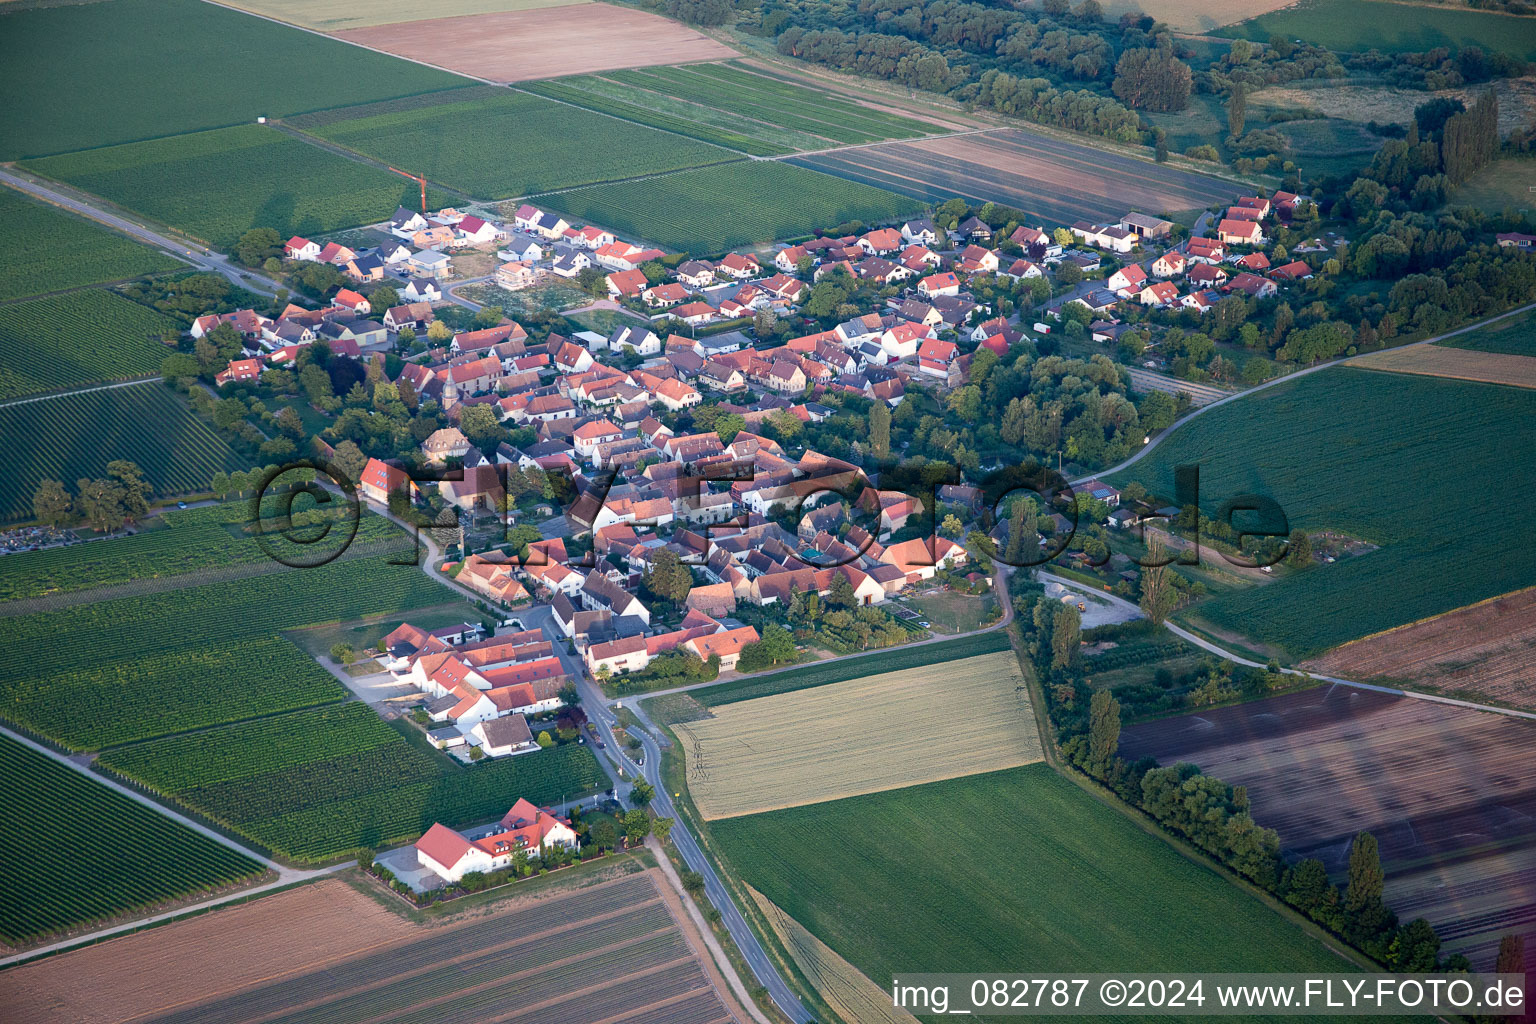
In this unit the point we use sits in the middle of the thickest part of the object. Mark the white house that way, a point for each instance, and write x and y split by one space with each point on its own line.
300 248
524 829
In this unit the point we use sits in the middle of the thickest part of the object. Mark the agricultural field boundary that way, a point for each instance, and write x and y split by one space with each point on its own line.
1453 364
1204 644
766 754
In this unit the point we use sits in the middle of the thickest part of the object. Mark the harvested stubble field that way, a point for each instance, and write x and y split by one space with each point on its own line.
991 871
1194 15
216 185
729 205
335 15
1484 652
121 856
571 40
46 249
1331 448
851 996
607 947
1456 363
1442 788
147 423
1048 177
860 736
822 673
77 76
495 143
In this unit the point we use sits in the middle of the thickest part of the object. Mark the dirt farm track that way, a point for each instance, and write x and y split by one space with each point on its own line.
1447 791
572 40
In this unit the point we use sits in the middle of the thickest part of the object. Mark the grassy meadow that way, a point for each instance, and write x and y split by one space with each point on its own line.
1514 336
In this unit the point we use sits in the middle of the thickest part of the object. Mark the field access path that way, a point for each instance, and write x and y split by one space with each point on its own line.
199 256
621 771
286 876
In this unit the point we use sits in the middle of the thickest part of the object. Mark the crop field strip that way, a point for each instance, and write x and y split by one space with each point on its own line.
146 423
272 782
67 660
335 15
1052 178
1515 335
45 250
1440 787
807 118
76 78
851 995
1482 652
496 143
574 39
860 736
81 337
1344 461
76 852
717 127
1360 25
852 668
606 951
191 546
216 185
990 871
716 208
1454 363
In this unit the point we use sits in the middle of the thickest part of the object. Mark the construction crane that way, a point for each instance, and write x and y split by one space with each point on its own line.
418 180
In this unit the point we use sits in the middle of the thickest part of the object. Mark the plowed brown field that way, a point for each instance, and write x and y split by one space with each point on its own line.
606 950
1445 790
1486 651
518 46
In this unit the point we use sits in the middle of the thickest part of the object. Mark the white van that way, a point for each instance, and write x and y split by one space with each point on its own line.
1042 328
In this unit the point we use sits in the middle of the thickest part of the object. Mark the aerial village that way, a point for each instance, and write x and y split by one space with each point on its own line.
736 531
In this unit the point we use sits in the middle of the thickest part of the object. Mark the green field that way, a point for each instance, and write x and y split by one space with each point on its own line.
76 435
193 546
1013 871
316 784
185 658
1503 185
1515 336
78 338
216 185
1418 465
45 249
1358 25
729 106
718 208
97 74
76 853
852 668
496 144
